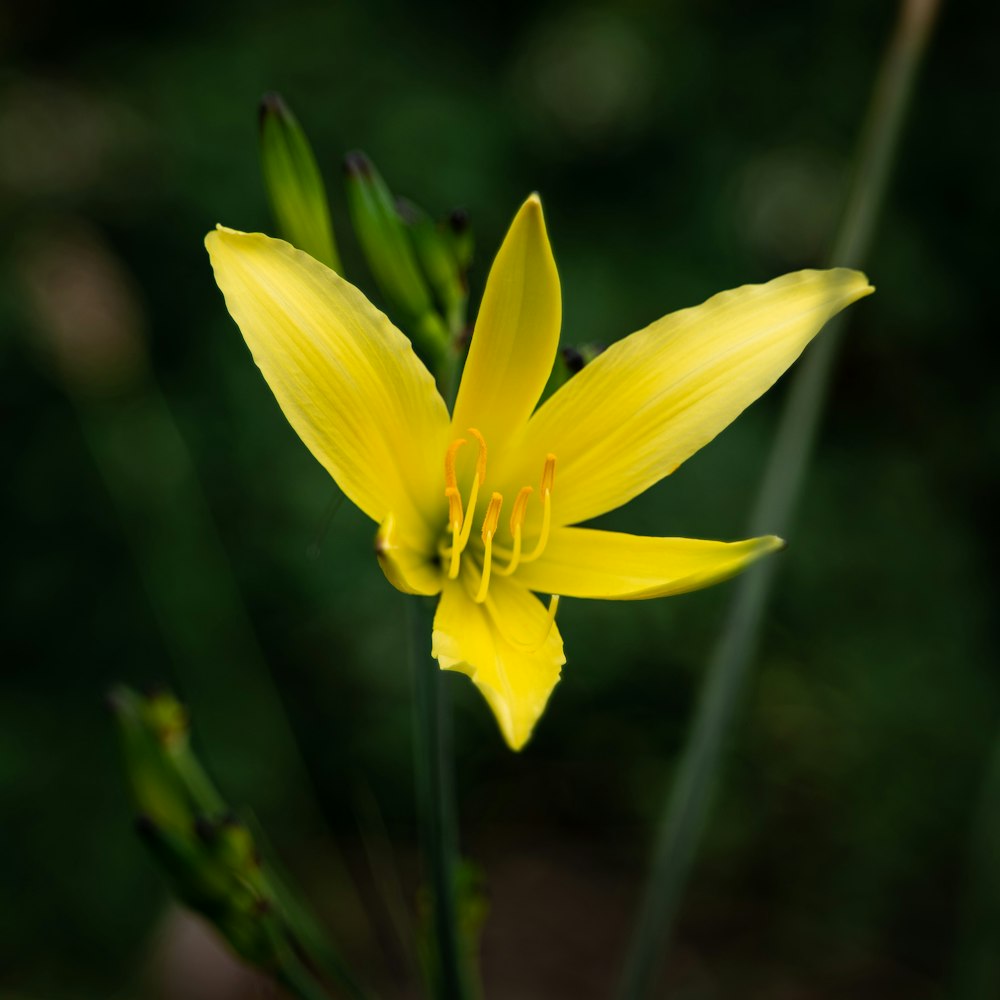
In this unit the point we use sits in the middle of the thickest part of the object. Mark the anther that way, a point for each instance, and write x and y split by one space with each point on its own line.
516 523
450 479
454 508
492 518
489 530
549 473
520 506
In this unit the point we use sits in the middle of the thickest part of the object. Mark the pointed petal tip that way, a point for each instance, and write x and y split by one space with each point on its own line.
222 230
517 744
220 235
857 281
532 207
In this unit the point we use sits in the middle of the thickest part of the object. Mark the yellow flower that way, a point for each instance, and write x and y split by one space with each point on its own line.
478 507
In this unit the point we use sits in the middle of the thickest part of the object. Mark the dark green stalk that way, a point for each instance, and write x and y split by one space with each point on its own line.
690 797
150 477
296 978
977 976
435 806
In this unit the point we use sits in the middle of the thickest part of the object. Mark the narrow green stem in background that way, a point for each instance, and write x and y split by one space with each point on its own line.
690 797
977 976
151 478
435 806
219 666
300 983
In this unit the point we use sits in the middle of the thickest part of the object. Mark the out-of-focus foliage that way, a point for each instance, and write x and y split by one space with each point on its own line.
163 523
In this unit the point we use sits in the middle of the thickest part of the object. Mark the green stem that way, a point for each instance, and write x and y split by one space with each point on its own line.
435 805
151 479
688 803
300 983
977 976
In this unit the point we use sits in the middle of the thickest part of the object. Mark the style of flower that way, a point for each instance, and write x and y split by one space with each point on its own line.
478 507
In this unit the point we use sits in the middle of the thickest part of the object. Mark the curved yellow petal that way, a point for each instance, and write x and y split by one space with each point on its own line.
583 562
653 399
344 376
508 646
406 563
516 334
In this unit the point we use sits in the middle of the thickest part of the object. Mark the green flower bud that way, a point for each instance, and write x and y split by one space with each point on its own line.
383 238
459 233
294 185
210 858
393 261
436 254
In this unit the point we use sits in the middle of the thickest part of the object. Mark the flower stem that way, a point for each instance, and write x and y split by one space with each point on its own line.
436 806
300 983
977 972
689 800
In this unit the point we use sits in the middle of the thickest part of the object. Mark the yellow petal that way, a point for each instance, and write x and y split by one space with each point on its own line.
653 399
582 562
344 376
405 562
508 647
516 334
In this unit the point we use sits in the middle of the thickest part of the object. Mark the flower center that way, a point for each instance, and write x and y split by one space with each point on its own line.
460 517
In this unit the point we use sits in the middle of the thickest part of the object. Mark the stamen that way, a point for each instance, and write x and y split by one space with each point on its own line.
481 460
516 521
549 472
527 647
474 492
450 479
454 507
548 480
489 530
455 521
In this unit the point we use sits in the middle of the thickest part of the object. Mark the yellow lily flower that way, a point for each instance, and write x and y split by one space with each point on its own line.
479 507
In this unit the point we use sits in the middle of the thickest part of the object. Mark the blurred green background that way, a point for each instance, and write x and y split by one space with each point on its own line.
164 525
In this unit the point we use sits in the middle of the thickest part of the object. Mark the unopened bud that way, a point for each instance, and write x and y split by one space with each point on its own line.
569 362
383 238
392 257
459 231
294 184
435 250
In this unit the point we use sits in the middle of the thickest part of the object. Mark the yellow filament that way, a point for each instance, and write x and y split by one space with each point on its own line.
489 530
516 521
471 508
527 647
455 522
548 480
481 460
474 492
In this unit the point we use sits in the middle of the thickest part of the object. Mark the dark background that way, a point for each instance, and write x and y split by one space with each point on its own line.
163 523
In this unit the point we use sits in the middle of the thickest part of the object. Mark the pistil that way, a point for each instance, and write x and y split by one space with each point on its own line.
548 480
460 518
